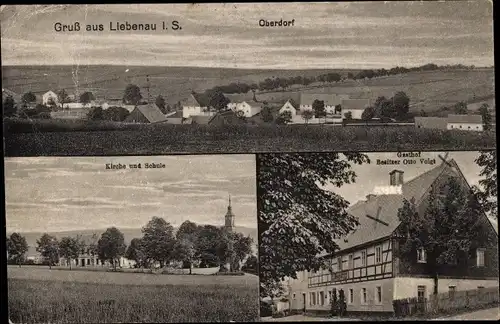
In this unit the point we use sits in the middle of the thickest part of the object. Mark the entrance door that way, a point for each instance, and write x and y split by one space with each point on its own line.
304 302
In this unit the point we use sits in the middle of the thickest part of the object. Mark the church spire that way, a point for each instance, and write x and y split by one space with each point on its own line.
229 221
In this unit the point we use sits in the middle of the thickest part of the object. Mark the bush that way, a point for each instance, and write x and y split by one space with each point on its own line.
228 273
266 309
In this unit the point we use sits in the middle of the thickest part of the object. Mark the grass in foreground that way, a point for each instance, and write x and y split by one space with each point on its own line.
44 301
102 139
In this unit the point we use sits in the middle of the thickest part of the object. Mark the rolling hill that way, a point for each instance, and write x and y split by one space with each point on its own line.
428 90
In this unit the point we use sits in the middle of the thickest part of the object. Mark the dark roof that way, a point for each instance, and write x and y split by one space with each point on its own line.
387 206
466 119
431 122
201 120
359 104
198 100
146 114
330 99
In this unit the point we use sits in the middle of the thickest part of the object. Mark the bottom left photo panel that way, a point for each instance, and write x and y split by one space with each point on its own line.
131 239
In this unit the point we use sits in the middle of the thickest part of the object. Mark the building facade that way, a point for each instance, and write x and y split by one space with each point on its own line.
248 108
197 105
465 122
50 97
370 267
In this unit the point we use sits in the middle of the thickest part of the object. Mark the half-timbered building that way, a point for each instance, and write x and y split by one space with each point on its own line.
369 266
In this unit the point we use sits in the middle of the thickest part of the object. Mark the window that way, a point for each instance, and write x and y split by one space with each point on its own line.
480 257
378 254
339 262
293 295
330 295
363 295
378 294
451 126
468 127
321 298
460 126
421 255
351 296
363 258
451 292
351 261
480 287
421 293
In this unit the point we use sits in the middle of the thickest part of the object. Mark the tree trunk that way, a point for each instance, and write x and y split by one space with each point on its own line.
19 262
435 283
69 264
190 268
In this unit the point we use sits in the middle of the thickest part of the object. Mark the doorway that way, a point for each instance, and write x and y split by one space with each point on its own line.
304 302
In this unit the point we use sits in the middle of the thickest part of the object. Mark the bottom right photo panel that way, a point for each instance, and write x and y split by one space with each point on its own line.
378 236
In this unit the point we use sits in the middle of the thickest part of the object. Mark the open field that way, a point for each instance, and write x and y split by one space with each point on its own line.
169 139
40 295
428 90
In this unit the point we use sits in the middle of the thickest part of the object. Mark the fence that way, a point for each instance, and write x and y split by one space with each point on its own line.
446 302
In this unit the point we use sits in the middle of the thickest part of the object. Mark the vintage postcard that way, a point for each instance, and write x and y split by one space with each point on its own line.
378 235
127 79
131 239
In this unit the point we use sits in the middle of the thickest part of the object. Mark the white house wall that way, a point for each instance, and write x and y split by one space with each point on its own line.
465 126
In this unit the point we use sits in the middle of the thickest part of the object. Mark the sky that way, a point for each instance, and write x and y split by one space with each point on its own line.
324 35
370 176
51 194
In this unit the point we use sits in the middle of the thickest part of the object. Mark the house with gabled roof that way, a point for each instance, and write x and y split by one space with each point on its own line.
332 101
248 108
465 122
369 266
197 104
146 114
354 106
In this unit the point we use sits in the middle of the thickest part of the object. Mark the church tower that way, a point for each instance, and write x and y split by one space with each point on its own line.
229 222
229 228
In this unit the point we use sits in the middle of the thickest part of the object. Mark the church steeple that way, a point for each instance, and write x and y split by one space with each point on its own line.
229 221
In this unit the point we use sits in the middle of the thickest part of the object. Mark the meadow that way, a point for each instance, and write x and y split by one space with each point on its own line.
43 138
51 296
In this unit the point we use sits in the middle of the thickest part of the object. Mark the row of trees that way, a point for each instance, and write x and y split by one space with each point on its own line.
204 243
274 83
396 107
295 223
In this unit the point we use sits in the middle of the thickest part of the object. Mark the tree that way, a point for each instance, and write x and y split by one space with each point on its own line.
216 99
48 247
307 115
160 103
266 114
92 246
368 114
86 97
318 107
295 211
348 115
17 247
69 248
206 245
271 289
284 118
113 113
9 106
350 75
487 190
63 97
187 230
460 108
242 247
158 240
132 95
111 245
51 103
135 252
486 115
401 105
448 230
28 97
95 113
384 108
251 265
184 251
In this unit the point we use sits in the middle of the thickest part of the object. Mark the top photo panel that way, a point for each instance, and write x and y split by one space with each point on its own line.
151 79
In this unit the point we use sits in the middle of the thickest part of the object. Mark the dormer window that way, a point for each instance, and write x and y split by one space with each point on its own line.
421 255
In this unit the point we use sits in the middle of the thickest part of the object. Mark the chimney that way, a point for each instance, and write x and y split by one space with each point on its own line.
396 177
370 196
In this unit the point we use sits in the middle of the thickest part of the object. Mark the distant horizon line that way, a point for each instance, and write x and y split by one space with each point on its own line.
249 68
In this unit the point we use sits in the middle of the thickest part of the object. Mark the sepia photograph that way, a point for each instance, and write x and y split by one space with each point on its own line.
378 236
163 239
127 79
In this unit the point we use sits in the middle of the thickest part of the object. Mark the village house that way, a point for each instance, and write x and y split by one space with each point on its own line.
248 108
369 266
50 97
332 102
354 107
465 122
197 104
460 122
146 114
